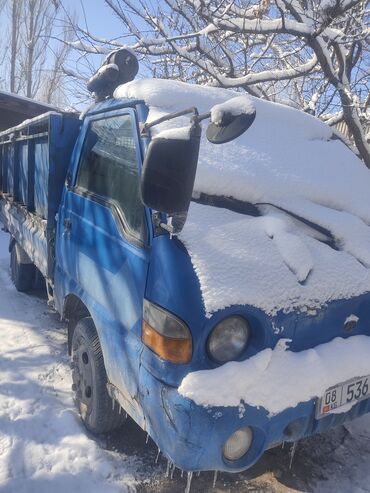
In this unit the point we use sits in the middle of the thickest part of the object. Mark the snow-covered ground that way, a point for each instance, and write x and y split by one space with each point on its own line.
44 448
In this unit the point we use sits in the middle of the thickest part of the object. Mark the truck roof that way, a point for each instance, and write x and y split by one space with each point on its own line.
111 104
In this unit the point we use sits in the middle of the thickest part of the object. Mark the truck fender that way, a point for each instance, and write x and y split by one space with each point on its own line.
74 310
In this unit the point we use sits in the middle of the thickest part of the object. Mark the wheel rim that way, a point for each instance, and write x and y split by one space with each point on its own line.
82 377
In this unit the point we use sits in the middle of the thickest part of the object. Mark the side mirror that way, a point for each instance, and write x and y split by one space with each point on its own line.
168 174
230 128
230 119
170 163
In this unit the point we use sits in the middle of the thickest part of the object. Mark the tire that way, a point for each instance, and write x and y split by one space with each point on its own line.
39 283
90 381
23 275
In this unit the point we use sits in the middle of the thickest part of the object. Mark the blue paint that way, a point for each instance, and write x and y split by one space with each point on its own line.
41 167
23 172
96 260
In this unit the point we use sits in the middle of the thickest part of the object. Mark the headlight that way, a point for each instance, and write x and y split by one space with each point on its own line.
238 444
228 339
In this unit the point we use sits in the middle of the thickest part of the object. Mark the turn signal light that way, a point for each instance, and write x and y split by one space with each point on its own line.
169 348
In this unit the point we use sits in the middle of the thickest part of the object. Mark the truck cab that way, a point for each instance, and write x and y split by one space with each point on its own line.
222 327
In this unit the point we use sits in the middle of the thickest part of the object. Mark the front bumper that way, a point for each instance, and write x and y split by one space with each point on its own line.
192 436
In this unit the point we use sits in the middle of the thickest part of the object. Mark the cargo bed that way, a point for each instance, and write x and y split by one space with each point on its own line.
34 158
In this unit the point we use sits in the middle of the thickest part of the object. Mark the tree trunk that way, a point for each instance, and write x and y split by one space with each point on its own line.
352 120
13 49
30 52
350 114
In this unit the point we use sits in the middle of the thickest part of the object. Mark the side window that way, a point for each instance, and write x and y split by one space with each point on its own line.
108 168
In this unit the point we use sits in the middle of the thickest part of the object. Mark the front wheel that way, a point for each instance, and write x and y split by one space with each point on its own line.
90 381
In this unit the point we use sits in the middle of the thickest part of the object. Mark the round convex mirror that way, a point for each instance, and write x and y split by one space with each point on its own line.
231 127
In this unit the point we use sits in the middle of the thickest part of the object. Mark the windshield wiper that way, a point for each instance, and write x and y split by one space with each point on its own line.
229 203
250 209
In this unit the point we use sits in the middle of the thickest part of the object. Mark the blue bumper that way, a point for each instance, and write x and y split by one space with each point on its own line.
192 436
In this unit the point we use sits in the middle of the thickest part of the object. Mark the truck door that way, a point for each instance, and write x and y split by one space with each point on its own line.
104 246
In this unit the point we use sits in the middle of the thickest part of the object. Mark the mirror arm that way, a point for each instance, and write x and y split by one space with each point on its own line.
195 120
201 117
171 116
174 224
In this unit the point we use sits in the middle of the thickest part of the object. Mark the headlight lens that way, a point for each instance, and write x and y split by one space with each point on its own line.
238 444
228 339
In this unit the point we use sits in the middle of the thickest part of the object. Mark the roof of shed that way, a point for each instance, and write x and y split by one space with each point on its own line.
14 109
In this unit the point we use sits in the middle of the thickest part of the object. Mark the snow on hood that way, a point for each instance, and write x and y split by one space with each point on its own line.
321 368
286 158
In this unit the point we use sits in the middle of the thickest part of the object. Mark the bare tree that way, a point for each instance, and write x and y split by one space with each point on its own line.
38 18
33 58
16 7
310 53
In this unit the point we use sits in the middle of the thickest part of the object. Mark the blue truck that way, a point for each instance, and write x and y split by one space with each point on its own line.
94 205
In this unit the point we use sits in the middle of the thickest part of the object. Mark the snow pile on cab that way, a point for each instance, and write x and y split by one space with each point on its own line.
270 377
286 158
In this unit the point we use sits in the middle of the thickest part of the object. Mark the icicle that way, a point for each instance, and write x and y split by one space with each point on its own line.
168 469
156 459
112 404
172 470
126 416
292 452
120 410
283 445
198 474
188 482
214 479
147 438
182 473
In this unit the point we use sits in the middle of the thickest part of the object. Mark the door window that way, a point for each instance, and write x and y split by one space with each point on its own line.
108 168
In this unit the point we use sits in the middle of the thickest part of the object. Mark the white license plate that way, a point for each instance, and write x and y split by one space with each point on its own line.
341 395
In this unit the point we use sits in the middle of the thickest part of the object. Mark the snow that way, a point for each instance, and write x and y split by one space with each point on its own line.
351 319
44 448
43 445
319 368
327 4
286 158
235 106
208 30
174 133
89 47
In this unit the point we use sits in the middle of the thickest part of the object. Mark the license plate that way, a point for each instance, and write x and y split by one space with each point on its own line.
339 396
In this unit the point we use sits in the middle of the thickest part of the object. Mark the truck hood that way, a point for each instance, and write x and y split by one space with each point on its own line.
270 262
286 158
